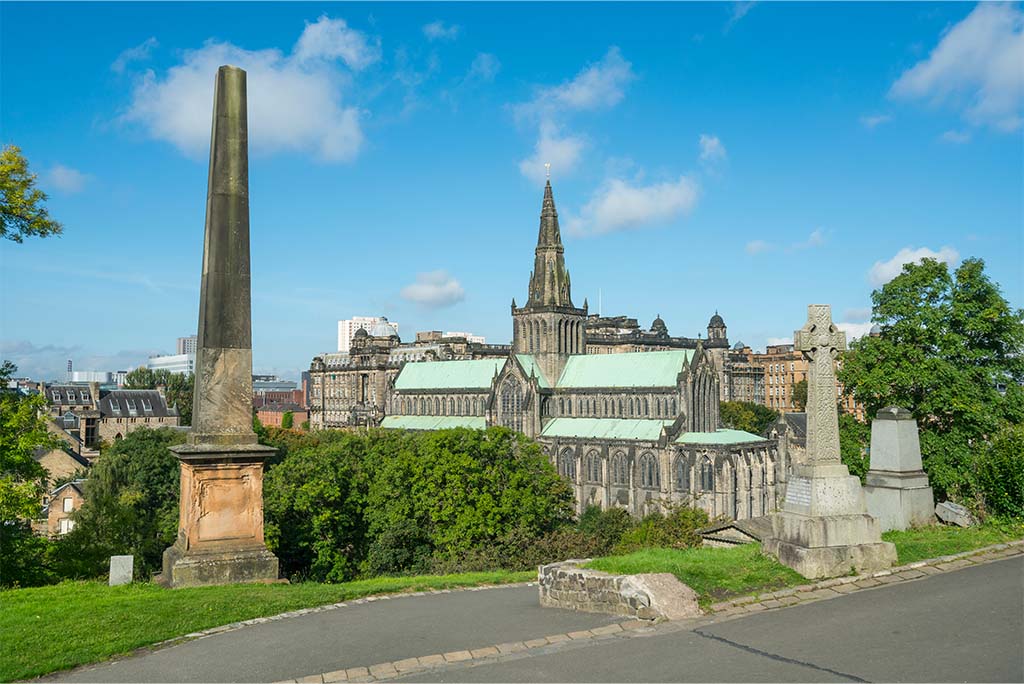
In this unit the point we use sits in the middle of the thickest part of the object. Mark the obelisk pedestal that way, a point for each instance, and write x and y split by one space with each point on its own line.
897 490
220 520
824 529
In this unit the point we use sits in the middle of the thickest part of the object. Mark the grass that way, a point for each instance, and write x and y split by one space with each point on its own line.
921 543
715 574
57 627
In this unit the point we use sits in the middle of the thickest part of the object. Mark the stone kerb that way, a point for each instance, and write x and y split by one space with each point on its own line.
651 596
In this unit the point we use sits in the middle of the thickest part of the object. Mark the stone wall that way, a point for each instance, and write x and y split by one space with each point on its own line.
655 596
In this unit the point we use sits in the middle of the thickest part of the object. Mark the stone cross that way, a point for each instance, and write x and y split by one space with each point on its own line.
821 342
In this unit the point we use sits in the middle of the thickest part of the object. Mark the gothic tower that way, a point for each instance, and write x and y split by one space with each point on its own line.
549 327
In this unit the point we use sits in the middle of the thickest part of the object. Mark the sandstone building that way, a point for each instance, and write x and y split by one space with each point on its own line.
91 414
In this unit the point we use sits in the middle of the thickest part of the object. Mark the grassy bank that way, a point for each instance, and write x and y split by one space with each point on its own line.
715 574
96 622
921 543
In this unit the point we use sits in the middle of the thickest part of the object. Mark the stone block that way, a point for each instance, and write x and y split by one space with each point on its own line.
955 514
900 508
829 561
121 570
895 446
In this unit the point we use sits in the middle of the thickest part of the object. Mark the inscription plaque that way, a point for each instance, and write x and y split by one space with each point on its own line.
798 492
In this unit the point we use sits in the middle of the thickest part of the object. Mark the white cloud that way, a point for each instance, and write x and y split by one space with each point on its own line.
434 289
712 150
739 10
956 137
563 152
484 68
978 67
884 271
858 315
772 341
618 205
438 30
49 362
757 246
68 180
873 121
598 86
855 330
330 39
294 100
815 239
138 53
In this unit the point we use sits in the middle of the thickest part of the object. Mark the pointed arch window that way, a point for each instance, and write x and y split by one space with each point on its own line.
512 405
682 473
707 475
567 464
649 475
620 469
593 467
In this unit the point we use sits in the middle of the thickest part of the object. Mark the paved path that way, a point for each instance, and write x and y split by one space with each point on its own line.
962 624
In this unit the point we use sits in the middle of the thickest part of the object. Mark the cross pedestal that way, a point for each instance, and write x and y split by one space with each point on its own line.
824 529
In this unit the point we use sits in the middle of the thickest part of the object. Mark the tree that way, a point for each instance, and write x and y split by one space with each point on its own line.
747 416
800 394
22 207
287 420
947 342
178 387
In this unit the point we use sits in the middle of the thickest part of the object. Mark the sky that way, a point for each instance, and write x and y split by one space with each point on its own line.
745 158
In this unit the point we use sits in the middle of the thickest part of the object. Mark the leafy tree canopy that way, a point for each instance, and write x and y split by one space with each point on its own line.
21 203
178 387
22 431
747 416
800 394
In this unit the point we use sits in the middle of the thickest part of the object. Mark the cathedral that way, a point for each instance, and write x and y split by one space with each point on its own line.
639 431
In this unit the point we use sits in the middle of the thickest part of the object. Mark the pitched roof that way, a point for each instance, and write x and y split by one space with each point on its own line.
637 369
475 374
605 428
719 437
120 403
530 365
434 422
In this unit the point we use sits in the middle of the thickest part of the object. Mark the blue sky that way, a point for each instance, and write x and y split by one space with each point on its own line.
745 158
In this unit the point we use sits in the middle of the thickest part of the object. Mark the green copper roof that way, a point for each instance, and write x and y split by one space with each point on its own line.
448 374
637 369
605 428
718 437
434 422
530 365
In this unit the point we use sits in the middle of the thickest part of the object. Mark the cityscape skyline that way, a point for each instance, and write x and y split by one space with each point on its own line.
411 187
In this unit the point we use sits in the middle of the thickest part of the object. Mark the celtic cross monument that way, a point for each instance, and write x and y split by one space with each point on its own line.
824 529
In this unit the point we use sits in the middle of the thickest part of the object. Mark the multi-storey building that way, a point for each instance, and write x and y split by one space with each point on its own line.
91 414
378 326
187 345
175 363
783 369
744 376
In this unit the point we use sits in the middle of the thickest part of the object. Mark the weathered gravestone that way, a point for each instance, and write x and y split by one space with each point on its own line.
824 529
220 522
897 491
121 570
955 514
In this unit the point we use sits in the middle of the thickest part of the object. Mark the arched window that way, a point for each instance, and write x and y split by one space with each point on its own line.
593 467
674 408
512 405
707 475
620 469
647 408
561 406
567 464
649 475
657 407
437 406
682 473
451 407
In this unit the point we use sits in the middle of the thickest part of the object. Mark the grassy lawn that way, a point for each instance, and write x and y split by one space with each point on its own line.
921 543
715 574
57 627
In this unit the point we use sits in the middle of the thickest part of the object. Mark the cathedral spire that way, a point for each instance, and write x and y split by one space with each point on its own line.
549 282
549 235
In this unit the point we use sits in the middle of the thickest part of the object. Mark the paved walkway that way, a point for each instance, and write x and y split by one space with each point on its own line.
954 618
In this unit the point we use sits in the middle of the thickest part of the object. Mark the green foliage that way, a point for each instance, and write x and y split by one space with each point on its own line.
854 440
800 395
21 203
131 506
287 420
178 387
999 473
947 341
402 549
747 416
607 527
677 530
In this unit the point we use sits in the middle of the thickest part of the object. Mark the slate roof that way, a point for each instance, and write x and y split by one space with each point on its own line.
638 369
719 437
69 395
605 428
39 452
434 422
796 423
475 374
119 403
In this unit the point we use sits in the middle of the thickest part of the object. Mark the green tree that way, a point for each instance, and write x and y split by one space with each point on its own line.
178 387
800 394
747 416
999 473
287 420
948 341
21 203
131 505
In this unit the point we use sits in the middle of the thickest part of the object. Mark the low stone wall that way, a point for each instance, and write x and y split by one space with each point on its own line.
653 596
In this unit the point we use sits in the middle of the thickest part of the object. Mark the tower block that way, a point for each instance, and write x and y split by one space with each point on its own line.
220 521
824 528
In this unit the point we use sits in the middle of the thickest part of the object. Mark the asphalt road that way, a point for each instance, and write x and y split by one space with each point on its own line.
965 625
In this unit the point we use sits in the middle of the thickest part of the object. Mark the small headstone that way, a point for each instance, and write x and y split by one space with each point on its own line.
896 489
121 570
955 514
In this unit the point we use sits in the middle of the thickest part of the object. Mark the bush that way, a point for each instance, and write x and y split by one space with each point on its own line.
677 530
608 527
403 548
999 473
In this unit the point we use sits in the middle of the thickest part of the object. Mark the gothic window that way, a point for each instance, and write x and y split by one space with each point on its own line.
561 406
567 465
649 475
674 408
707 475
606 407
621 412
458 406
451 407
620 469
568 406
647 408
682 475
512 405
423 407
593 467
657 406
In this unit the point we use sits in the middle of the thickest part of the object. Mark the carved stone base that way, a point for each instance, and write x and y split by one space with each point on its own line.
228 566
832 561
900 500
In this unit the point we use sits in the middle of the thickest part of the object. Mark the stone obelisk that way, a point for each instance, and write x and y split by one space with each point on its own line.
824 529
220 522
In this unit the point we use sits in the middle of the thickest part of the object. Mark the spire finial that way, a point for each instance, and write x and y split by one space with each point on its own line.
547 169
